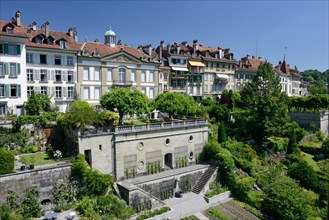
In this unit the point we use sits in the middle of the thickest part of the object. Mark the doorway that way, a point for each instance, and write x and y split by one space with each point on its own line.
168 160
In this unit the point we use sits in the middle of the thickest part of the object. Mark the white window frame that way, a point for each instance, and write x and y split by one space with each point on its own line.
86 73
109 75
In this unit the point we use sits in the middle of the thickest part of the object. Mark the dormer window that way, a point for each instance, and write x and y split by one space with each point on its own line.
38 40
9 30
62 44
50 41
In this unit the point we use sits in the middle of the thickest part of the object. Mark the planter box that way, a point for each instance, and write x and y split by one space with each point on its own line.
218 198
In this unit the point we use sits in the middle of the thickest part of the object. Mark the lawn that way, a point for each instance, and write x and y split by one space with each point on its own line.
309 159
40 158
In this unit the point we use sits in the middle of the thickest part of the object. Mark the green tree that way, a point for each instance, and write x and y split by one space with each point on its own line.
7 159
37 103
226 166
307 177
222 137
285 200
125 101
266 104
31 207
325 147
176 103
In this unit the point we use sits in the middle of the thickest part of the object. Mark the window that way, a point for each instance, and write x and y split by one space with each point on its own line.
109 89
29 57
1 48
12 72
160 87
38 40
160 75
97 75
109 74
62 44
217 65
29 73
2 71
69 61
97 92
2 90
70 92
165 76
211 88
143 76
70 76
43 90
223 65
205 77
174 61
58 76
43 75
122 75
151 93
9 30
165 87
12 49
206 88
13 91
151 77
29 90
85 73
2 108
211 65
58 93
43 59
143 90
86 93
133 76
58 60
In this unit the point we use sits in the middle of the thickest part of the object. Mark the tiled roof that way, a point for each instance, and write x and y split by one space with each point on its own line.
71 44
18 31
105 50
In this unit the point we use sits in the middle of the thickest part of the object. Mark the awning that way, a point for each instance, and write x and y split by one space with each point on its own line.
196 63
223 76
179 68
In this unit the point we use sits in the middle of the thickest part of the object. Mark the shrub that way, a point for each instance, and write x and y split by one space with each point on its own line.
150 214
31 207
217 214
242 187
7 163
35 149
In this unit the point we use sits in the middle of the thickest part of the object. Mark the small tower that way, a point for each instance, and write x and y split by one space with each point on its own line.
110 38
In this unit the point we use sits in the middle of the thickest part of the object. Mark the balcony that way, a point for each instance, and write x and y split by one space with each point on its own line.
122 83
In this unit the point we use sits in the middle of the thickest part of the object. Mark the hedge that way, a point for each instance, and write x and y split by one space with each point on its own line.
7 161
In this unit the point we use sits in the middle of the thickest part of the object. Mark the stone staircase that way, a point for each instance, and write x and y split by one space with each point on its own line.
204 179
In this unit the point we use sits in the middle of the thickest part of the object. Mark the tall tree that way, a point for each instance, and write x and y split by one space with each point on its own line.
267 105
125 101
37 103
176 103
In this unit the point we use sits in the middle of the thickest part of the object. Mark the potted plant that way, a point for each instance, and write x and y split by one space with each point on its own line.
32 162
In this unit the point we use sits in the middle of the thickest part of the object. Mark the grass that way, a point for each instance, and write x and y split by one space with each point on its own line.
192 217
136 122
40 158
309 159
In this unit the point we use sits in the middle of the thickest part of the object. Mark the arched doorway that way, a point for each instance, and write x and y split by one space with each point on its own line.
168 160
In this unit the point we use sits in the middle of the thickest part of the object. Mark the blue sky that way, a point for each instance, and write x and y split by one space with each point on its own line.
300 26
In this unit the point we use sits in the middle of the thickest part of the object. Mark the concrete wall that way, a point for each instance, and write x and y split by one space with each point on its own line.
43 179
311 120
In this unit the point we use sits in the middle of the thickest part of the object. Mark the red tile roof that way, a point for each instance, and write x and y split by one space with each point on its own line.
18 31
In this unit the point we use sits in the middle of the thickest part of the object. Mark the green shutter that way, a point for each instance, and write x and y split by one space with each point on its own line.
6 48
19 90
6 66
7 86
18 68
18 49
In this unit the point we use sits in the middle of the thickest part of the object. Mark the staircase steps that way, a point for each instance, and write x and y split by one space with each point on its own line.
204 179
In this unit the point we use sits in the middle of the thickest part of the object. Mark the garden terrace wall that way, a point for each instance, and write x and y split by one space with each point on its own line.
44 179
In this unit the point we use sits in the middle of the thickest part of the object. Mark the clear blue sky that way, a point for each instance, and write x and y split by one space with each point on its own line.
301 26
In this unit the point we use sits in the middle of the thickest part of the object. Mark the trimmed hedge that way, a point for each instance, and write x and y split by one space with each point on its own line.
7 161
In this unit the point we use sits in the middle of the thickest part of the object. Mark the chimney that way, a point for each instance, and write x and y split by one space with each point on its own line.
168 48
70 32
75 34
260 58
18 18
253 57
42 27
119 42
160 50
150 50
248 56
96 41
195 46
184 43
34 25
178 49
162 44
47 29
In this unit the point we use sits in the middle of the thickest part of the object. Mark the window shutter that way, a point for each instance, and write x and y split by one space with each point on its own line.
48 75
74 76
18 68
6 66
62 60
19 90
7 87
6 49
52 75
36 58
37 74
18 49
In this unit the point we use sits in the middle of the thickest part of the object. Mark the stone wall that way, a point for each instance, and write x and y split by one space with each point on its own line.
43 179
311 120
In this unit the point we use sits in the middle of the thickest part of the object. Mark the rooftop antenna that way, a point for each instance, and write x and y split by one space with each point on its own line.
256 47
